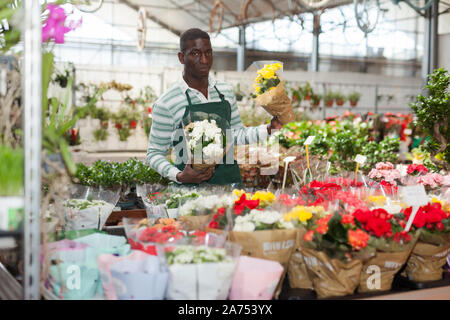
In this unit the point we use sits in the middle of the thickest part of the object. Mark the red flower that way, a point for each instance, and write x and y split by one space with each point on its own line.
221 211
322 229
214 225
308 236
347 219
118 126
243 203
416 168
149 110
133 124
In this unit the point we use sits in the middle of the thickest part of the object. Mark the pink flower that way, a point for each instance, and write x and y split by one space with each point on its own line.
384 166
54 26
433 180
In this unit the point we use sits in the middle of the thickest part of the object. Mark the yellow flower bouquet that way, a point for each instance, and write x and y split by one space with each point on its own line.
270 93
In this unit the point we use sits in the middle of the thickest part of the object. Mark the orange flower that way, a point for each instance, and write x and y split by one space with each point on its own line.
358 239
309 235
347 219
322 229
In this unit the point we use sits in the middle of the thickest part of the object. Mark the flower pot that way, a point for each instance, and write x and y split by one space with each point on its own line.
340 102
329 103
308 97
353 103
104 124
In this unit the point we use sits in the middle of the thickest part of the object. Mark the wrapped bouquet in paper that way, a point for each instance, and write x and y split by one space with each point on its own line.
270 92
206 143
255 279
299 217
143 279
200 272
393 246
106 261
428 258
334 250
196 214
89 207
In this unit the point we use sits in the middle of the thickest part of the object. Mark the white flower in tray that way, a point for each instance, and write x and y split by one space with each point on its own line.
266 217
205 205
261 220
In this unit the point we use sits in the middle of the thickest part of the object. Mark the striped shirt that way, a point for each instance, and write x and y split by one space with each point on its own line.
167 114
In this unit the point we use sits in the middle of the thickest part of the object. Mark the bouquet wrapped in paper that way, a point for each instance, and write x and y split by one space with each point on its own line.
201 270
270 92
393 246
334 250
427 260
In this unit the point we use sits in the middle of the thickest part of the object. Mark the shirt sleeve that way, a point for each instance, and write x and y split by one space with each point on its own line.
160 142
241 133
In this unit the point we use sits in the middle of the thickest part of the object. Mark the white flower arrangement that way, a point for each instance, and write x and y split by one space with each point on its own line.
205 205
205 138
187 254
261 220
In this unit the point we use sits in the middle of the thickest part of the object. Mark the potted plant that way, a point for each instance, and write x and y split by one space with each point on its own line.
353 97
432 112
56 118
329 99
315 99
307 91
340 98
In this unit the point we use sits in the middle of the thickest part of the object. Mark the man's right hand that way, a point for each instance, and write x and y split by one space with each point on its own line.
190 175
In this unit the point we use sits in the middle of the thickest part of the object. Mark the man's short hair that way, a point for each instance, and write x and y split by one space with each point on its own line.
191 34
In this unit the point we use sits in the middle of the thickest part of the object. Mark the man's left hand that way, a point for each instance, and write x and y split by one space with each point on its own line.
275 124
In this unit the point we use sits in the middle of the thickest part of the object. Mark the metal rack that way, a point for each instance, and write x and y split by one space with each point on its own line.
32 94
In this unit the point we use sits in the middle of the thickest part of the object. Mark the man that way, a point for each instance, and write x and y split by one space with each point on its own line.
194 94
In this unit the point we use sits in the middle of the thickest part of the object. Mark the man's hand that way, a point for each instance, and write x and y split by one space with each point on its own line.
275 124
190 175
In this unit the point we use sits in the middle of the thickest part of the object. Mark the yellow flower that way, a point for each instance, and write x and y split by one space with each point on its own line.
378 200
238 193
264 197
300 213
258 89
439 156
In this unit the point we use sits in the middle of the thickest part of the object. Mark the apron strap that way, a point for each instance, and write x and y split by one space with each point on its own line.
222 97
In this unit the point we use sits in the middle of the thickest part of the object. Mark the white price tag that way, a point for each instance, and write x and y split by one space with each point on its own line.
360 159
415 195
309 140
408 132
289 159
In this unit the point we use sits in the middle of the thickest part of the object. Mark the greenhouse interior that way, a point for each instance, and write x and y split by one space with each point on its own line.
300 149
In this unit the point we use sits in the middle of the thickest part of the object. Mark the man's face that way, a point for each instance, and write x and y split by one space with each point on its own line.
197 58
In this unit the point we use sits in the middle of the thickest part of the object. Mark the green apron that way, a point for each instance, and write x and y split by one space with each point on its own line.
224 174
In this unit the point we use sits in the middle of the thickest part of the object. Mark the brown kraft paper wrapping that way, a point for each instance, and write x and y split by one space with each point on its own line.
195 222
277 103
297 272
426 262
331 277
387 264
275 245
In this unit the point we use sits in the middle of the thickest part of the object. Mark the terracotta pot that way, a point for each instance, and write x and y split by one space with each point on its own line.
340 102
353 103
329 103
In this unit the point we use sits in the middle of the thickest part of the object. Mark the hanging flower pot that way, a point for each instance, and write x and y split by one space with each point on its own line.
329 103
353 103
104 124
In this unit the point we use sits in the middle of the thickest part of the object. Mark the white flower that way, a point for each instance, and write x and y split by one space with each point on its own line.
244 226
285 224
266 217
184 257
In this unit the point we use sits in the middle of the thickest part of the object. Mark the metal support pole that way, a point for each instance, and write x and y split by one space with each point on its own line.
431 40
241 49
32 92
376 99
315 49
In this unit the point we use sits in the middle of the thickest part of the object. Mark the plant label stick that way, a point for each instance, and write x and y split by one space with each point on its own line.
286 161
308 141
414 196
359 160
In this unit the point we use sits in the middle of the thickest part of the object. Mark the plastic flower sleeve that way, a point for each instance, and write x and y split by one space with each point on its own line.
89 207
106 261
201 271
255 279
269 91
144 279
